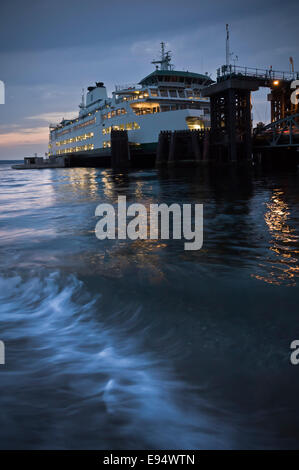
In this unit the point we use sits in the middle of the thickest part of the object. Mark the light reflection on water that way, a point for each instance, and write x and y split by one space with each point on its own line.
126 344
283 242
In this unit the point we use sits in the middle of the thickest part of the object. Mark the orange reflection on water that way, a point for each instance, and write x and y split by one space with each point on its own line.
120 256
108 185
83 179
283 243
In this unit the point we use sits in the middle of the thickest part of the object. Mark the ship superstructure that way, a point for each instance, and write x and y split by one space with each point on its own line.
166 99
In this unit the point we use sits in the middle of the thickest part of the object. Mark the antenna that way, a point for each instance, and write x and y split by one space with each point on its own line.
165 61
227 46
235 59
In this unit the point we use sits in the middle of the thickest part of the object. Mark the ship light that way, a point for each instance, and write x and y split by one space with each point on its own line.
276 82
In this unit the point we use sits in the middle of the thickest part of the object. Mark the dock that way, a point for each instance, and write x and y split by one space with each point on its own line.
38 163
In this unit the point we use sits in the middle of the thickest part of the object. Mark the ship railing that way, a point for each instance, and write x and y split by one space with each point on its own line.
251 72
128 86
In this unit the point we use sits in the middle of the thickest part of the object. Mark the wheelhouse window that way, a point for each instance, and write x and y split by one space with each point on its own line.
154 92
164 93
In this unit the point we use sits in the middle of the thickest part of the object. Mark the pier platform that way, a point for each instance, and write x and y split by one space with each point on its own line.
38 163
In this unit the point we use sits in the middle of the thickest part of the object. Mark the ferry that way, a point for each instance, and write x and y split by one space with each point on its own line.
166 99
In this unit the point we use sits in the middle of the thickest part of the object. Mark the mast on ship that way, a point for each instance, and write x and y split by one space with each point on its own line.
165 61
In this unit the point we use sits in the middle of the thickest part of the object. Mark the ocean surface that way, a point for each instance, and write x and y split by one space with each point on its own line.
141 344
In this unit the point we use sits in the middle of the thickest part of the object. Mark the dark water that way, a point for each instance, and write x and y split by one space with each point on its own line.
140 344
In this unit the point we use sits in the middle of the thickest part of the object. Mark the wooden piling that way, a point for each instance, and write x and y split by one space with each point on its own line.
206 146
195 145
172 158
163 148
120 152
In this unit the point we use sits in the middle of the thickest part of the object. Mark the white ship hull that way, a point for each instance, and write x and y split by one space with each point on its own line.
164 100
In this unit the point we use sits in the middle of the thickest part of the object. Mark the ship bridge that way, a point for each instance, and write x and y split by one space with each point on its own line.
177 78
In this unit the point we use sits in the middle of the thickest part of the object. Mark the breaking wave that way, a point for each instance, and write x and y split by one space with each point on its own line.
71 381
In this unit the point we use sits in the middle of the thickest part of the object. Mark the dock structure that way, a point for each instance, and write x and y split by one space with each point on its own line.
281 103
183 147
38 163
231 119
231 123
231 138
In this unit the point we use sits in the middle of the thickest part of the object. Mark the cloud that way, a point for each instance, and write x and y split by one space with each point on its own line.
8 127
45 71
53 116
24 136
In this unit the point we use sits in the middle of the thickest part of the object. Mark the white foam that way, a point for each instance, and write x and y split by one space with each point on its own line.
97 388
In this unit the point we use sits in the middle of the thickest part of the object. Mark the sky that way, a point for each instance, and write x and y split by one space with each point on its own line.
50 50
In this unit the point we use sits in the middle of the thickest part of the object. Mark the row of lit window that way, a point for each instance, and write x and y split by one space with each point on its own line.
76 149
175 107
58 134
165 93
169 107
129 126
107 144
84 124
140 111
71 129
78 138
136 96
115 112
